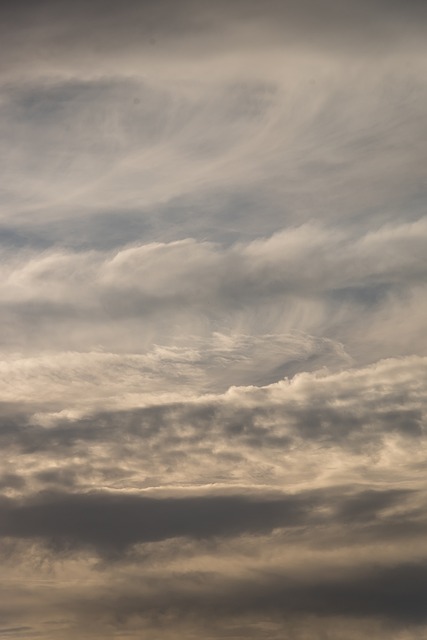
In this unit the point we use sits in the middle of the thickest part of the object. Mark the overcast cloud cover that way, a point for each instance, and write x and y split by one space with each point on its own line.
213 299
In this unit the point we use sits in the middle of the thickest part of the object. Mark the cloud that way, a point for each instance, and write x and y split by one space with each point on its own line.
395 592
199 26
232 558
356 425
207 149
116 521
111 522
340 538
213 347
308 279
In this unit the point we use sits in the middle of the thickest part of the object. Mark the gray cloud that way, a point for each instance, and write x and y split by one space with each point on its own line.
395 592
326 406
116 521
101 27
112 522
357 425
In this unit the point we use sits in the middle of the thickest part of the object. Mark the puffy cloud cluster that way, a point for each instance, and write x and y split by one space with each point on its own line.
352 425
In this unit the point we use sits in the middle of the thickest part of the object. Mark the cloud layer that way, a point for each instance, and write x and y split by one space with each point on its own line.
213 298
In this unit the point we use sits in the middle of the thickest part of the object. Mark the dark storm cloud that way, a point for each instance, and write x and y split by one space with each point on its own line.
108 521
395 593
112 522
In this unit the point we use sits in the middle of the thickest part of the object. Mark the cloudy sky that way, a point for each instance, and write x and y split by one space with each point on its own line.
213 299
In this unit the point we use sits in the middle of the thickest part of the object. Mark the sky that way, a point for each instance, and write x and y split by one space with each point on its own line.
213 297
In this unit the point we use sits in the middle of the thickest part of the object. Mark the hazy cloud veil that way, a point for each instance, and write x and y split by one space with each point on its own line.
213 298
